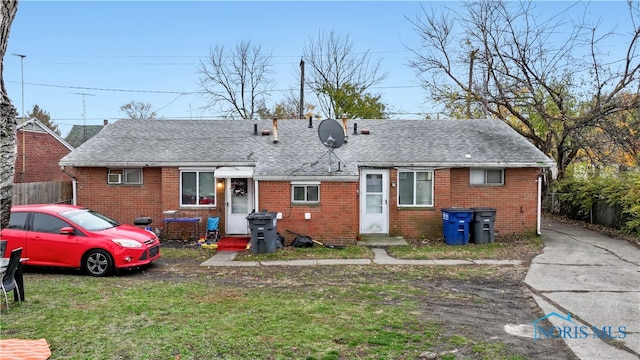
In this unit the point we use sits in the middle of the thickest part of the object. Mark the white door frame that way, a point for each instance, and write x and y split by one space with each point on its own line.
236 223
374 219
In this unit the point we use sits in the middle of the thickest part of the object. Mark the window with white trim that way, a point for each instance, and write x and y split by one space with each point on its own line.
486 176
415 188
305 192
197 188
124 177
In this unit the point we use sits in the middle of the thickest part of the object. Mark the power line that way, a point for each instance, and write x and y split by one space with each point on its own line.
182 93
114 90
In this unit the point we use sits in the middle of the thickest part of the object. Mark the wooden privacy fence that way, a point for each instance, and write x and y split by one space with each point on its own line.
50 192
601 213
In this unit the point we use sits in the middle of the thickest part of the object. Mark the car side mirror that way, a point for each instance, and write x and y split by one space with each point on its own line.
67 230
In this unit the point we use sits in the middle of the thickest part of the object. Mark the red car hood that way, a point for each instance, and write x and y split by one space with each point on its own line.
126 231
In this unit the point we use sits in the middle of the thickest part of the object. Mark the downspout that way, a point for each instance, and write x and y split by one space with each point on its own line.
255 195
74 185
539 205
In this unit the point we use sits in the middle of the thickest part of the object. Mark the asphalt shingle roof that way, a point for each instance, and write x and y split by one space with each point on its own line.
299 152
81 133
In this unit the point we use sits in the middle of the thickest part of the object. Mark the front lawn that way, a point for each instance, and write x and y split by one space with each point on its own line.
179 310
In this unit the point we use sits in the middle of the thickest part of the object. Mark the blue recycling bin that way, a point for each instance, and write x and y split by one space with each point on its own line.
455 225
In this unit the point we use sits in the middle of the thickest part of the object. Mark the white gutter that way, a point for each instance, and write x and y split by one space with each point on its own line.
539 205
255 196
74 186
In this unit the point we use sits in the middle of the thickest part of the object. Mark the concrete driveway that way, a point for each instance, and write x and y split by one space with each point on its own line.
588 286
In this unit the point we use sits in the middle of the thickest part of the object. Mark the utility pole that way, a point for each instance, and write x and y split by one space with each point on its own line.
24 135
301 115
22 56
472 56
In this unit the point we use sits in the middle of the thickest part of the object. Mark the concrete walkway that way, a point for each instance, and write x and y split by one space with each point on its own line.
595 279
380 257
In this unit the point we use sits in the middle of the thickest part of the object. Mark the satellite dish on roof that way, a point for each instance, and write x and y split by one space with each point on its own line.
331 133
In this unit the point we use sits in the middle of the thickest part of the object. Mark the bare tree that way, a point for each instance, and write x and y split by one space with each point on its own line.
335 63
237 79
8 115
546 77
138 110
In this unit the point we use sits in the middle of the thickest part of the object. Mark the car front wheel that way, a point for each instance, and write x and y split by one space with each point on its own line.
97 263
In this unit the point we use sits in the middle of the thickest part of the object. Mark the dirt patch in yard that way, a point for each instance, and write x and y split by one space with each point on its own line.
471 304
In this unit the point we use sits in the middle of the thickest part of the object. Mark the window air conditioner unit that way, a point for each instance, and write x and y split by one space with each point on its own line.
114 179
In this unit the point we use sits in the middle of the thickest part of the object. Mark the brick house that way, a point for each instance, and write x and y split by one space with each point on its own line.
390 177
38 151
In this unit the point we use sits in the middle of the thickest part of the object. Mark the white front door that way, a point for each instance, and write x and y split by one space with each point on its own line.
374 204
239 195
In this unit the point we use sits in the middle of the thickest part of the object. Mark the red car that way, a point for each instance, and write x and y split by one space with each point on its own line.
76 237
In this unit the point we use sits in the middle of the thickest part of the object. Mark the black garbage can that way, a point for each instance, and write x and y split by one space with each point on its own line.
264 237
482 228
143 222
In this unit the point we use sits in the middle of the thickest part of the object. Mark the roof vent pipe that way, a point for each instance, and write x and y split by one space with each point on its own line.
275 130
255 129
355 128
344 127
310 122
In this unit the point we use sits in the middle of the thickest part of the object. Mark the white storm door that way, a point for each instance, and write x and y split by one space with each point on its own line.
374 204
239 194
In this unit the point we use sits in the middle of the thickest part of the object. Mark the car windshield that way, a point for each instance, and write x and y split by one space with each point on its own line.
89 220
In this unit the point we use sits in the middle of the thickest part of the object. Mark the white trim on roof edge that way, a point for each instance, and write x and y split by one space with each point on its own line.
233 172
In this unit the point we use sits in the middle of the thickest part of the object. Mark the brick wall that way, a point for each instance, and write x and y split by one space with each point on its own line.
423 221
335 219
42 156
515 202
123 203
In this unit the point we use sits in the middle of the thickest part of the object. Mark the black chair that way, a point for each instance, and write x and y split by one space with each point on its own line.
8 279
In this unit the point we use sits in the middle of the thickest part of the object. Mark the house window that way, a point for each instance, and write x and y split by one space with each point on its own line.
486 176
197 188
415 188
305 192
124 177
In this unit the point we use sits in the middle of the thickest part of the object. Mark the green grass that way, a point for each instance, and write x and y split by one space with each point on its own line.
109 318
316 252
181 310
521 248
511 248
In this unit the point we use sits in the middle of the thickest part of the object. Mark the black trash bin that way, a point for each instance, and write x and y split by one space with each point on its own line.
264 237
482 228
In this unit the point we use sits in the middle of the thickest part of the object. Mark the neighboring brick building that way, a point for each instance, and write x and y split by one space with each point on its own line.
390 177
38 151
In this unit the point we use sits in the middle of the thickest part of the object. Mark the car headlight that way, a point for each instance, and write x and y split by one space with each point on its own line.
127 243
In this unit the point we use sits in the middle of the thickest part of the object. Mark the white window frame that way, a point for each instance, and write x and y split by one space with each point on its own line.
306 185
197 190
414 171
478 177
124 175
